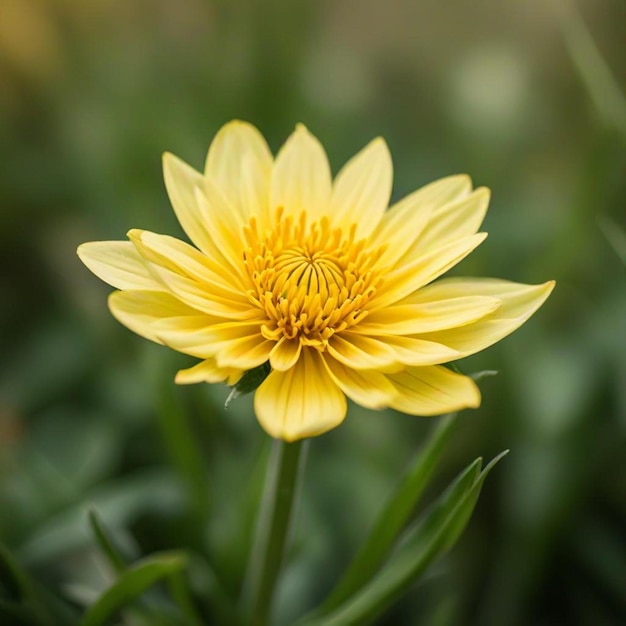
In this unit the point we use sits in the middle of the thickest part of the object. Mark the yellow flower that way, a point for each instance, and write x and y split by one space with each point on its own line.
317 277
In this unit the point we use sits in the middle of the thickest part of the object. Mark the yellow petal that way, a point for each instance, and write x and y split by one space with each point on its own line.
239 162
410 277
245 353
301 179
226 227
301 402
285 354
117 263
181 182
398 229
417 351
427 316
450 222
519 302
207 372
204 337
368 388
191 276
362 189
514 297
181 258
442 191
404 222
141 310
433 391
360 352
197 295
204 222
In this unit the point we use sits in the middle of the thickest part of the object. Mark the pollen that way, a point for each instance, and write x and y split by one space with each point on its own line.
311 280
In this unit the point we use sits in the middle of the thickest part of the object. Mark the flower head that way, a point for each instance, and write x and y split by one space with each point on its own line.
317 277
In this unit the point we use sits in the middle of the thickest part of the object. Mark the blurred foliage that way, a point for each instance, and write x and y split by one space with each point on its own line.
522 96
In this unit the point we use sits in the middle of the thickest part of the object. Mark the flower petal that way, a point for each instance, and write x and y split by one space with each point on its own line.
226 227
362 189
207 372
285 354
360 352
409 278
245 353
233 345
519 302
417 351
178 256
404 222
427 316
432 391
141 310
301 179
181 182
206 221
441 192
206 337
398 229
368 388
197 295
191 276
239 162
387 353
450 222
301 402
117 263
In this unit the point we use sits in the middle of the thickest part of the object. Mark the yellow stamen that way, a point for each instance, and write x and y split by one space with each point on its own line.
311 280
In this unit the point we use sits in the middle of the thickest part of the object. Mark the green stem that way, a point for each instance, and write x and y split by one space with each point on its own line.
273 525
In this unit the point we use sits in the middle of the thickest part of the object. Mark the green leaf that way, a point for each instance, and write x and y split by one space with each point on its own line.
28 601
202 584
104 541
422 531
394 516
179 588
178 581
11 577
425 543
183 446
603 88
132 583
249 381
121 501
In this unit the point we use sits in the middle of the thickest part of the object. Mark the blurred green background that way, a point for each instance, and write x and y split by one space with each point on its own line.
523 96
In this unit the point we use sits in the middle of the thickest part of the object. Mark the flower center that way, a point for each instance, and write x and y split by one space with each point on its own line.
311 280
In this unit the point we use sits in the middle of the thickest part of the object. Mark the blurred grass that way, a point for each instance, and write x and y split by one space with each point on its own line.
93 93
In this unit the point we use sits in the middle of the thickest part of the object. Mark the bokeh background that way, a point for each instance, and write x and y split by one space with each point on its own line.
527 97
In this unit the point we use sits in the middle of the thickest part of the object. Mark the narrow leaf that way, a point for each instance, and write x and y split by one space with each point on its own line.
132 583
602 86
104 541
179 588
439 530
183 447
28 601
394 516
210 591
11 577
